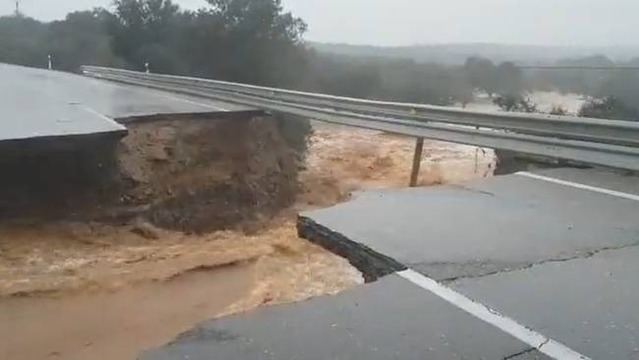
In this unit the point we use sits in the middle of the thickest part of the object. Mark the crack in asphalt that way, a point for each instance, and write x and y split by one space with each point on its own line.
543 344
529 350
521 353
473 190
585 255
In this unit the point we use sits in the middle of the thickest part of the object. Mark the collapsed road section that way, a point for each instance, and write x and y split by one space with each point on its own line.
526 266
42 105
554 250
61 131
193 201
159 210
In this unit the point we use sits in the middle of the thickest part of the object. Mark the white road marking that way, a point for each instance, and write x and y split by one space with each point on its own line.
536 340
97 113
580 186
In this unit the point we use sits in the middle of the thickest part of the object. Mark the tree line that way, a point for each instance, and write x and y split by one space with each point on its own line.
611 93
250 41
258 42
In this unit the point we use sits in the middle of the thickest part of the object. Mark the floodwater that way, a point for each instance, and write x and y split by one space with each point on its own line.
117 325
545 101
92 291
342 160
107 308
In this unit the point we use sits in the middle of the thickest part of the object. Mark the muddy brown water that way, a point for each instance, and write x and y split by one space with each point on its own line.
116 325
121 300
91 291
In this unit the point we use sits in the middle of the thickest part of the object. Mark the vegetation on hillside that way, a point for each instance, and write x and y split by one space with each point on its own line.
258 42
251 41
608 107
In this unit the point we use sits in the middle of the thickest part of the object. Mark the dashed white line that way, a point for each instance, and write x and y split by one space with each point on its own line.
580 186
536 340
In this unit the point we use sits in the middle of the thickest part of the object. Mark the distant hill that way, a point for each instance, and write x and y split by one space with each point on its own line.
458 53
594 60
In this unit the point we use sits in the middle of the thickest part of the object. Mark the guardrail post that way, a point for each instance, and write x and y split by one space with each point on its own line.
417 162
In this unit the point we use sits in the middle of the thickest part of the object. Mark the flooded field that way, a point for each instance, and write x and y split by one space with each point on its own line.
545 101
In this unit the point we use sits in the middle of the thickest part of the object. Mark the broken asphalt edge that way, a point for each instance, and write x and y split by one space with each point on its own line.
372 264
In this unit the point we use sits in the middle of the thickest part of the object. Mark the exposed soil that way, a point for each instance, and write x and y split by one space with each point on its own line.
204 175
204 227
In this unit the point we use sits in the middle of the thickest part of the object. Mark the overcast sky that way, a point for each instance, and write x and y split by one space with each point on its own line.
407 22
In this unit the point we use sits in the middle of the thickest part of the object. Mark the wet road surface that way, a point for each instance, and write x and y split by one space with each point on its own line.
491 225
41 103
388 319
526 266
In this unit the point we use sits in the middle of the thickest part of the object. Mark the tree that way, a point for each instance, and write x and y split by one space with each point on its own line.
140 30
558 110
21 40
616 98
461 90
250 41
261 42
515 103
608 107
264 19
509 79
81 39
576 80
623 86
482 74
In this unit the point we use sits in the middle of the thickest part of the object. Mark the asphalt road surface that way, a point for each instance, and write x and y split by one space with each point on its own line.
41 103
528 266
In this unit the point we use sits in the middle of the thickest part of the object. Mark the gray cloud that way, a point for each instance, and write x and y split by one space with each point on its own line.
403 22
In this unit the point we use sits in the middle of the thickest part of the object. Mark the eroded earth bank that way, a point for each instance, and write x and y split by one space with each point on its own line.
184 220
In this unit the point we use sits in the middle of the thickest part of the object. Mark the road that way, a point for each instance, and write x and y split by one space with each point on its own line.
527 266
42 103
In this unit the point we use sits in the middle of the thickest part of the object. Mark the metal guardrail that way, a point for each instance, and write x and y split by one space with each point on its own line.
612 143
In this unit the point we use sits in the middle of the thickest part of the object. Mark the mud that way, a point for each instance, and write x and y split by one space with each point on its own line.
204 175
110 294
220 243
188 173
116 325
